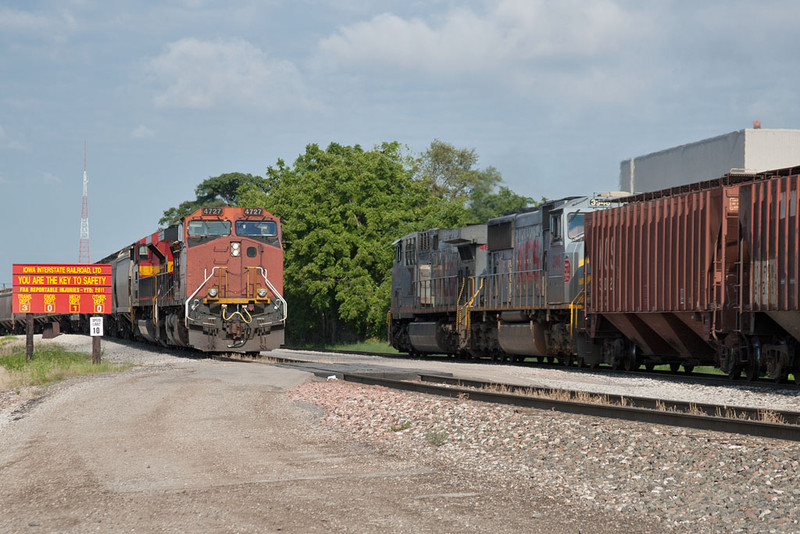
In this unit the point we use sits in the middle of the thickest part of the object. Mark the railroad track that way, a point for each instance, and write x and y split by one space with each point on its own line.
706 379
784 425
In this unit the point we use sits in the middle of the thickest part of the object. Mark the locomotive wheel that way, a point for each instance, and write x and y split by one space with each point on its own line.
566 361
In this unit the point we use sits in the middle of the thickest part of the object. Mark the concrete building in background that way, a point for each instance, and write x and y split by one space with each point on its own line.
752 149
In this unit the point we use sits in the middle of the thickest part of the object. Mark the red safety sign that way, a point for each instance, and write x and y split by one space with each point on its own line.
61 288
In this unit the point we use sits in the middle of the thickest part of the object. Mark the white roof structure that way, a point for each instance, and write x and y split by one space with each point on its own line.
753 149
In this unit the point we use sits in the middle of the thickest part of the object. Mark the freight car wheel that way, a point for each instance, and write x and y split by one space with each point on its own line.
688 369
751 372
735 351
630 360
674 367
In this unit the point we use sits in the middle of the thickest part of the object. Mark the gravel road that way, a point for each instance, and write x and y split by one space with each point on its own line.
198 445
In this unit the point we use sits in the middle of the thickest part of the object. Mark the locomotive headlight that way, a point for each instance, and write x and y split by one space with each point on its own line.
262 292
236 249
212 292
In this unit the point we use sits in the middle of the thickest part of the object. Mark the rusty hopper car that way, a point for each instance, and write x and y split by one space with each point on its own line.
659 265
688 275
770 266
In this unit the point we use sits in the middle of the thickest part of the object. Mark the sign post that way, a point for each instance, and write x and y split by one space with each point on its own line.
61 289
96 331
28 337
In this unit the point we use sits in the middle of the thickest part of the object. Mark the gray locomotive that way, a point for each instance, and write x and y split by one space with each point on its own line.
512 288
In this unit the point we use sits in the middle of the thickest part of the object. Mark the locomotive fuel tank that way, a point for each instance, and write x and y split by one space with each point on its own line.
426 338
522 339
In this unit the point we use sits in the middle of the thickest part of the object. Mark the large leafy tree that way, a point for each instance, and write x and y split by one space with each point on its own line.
222 190
451 174
341 208
449 171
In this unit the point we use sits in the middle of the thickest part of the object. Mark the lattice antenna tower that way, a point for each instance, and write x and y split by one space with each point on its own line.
83 252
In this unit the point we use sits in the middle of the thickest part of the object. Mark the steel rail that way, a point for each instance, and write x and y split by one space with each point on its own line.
641 415
763 383
649 403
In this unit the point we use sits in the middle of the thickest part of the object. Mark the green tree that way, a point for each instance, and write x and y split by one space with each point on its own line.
222 190
485 204
341 208
450 174
448 171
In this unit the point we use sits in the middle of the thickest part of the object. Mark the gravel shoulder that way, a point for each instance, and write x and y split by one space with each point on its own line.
196 445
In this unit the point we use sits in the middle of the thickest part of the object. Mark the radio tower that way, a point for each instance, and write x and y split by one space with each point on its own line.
83 253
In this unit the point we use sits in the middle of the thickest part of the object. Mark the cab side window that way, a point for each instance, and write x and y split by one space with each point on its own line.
555 227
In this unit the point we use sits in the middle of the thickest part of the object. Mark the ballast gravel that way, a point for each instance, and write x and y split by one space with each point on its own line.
685 480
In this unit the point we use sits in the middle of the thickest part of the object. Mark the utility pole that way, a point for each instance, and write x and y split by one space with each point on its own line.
83 252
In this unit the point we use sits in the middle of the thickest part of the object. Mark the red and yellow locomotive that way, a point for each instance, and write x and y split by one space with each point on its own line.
213 281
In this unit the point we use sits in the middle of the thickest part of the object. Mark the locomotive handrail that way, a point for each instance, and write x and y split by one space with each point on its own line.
284 307
196 291
576 304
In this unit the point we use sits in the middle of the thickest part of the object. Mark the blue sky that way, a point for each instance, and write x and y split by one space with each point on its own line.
554 94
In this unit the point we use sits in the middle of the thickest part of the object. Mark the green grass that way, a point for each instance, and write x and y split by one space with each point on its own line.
436 438
50 363
400 428
703 369
370 345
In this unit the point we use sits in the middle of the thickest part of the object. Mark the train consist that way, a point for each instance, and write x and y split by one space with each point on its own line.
212 282
705 274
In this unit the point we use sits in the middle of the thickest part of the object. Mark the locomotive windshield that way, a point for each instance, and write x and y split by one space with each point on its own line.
575 225
257 228
208 228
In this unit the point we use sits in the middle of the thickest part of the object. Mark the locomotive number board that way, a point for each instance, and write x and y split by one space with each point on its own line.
61 288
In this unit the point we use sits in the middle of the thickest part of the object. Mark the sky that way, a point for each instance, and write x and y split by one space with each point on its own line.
552 93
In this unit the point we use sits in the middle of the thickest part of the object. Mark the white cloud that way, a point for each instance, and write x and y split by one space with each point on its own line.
141 132
207 74
511 34
44 25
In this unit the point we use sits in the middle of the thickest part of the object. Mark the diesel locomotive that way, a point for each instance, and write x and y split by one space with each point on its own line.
704 274
212 282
